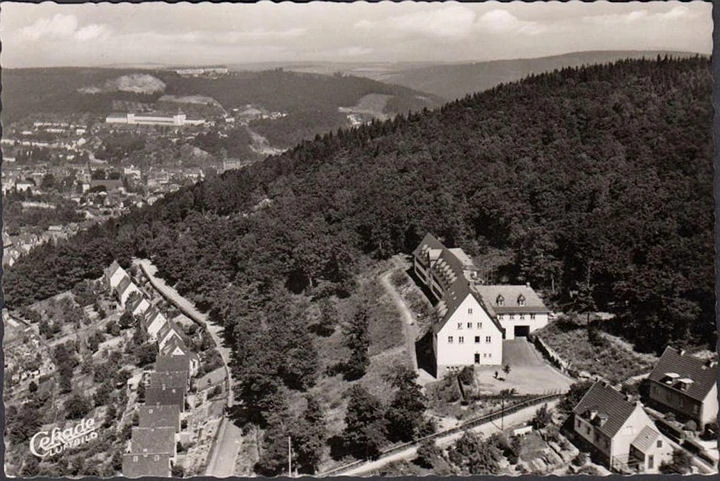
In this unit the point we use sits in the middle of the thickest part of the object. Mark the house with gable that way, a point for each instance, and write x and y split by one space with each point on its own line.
610 425
137 305
466 332
189 363
154 321
168 332
685 385
473 319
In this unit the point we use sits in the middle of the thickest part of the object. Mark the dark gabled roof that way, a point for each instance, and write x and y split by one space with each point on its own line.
454 296
607 402
172 363
428 242
123 284
169 379
172 344
167 416
703 376
510 295
152 440
646 439
165 396
141 465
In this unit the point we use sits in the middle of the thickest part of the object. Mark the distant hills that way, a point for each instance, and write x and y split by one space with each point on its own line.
454 80
28 92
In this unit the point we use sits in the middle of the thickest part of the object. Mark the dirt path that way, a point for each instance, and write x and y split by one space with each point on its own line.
409 324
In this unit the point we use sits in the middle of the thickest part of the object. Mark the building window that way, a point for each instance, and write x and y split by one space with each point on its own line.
469 310
469 325
521 300
450 339
459 325
477 339
696 409
500 300
488 338
522 316
500 317
479 325
477 358
587 430
532 316
577 422
461 340
512 316
651 461
659 443
135 459
484 354
489 354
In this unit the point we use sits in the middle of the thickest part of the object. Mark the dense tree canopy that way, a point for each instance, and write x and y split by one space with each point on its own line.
597 180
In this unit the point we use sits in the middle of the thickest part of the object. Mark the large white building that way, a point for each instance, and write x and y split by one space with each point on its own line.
472 319
177 120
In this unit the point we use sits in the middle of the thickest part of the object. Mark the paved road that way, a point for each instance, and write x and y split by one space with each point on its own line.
224 454
514 419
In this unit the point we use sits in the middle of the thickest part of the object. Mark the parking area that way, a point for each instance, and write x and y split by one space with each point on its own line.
529 373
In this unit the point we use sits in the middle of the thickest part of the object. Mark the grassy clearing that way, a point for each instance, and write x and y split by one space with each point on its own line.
607 356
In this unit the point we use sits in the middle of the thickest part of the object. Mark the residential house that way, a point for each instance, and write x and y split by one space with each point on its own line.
155 440
159 416
609 424
138 305
174 347
189 363
143 465
125 289
165 396
170 379
519 309
167 332
154 322
685 385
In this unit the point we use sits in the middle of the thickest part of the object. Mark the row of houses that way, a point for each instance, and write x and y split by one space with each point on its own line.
152 450
473 318
622 434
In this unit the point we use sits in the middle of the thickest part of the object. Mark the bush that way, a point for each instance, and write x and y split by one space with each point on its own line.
580 460
467 375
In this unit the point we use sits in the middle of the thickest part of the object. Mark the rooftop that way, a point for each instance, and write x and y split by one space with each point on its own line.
690 375
602 402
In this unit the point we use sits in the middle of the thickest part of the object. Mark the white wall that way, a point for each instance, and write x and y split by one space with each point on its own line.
710 407
541 320
463 354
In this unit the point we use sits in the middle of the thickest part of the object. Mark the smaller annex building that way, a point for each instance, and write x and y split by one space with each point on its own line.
473 318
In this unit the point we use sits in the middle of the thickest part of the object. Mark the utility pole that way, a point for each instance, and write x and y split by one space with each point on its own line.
289 458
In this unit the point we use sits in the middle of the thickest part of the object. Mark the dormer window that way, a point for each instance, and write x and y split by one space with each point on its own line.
500 301
521 300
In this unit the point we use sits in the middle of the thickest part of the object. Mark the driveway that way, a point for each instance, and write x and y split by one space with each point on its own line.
529 373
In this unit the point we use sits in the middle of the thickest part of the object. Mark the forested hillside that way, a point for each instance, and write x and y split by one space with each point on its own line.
598 180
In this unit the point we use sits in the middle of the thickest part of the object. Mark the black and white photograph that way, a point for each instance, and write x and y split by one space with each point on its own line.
367 239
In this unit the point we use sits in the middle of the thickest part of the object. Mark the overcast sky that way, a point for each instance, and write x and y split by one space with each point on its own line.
50 35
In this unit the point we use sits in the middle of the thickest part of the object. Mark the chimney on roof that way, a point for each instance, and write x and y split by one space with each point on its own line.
527 284
682 352
710 363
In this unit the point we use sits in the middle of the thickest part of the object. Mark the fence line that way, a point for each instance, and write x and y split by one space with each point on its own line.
487 418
